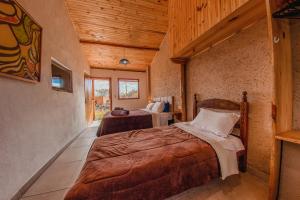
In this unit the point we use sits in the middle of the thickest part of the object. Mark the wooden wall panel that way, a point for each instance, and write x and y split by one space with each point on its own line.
105 56
198 17
280 40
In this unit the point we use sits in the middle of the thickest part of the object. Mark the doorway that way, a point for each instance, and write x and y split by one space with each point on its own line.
101 97
89 102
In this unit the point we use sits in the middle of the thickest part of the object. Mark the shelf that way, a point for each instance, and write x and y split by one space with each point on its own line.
291 136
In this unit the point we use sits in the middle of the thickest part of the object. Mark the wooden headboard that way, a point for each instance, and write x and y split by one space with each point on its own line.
242 107
169 99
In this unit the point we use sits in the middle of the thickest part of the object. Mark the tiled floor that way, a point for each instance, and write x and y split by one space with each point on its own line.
59 177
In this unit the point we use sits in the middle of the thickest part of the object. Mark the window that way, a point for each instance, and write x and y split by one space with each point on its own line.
61 77
129 89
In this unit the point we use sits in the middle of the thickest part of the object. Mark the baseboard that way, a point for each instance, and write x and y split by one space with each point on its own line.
32 180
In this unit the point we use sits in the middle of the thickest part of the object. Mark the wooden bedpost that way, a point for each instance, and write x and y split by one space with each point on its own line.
195 106
244 129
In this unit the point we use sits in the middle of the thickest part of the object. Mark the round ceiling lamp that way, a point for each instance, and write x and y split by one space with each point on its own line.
124 61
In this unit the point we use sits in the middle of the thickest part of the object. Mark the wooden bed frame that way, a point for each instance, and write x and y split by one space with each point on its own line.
243 107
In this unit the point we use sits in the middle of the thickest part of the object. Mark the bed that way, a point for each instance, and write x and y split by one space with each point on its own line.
137 119
154 164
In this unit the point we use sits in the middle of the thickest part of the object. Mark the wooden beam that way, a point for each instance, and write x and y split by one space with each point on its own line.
119 69
279 34
118 45
180 60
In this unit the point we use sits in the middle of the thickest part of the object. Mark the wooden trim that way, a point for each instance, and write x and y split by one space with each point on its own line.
290 136
36 176
128 79
118 69
180 60
83 41
89 103
248 13
279 37
149 82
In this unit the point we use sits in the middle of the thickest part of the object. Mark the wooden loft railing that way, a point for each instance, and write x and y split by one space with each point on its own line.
195 26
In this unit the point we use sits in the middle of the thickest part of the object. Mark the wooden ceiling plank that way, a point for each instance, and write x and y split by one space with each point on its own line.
129 11
117 20
111 29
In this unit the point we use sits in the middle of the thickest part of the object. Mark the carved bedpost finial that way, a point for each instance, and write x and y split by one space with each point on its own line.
245 99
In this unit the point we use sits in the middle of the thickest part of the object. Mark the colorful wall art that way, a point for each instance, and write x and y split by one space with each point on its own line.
20 43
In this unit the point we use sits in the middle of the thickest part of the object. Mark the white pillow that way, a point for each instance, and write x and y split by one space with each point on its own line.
158 107
150 106
218 123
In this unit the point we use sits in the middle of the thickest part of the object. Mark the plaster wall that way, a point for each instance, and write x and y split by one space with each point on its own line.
165 75
35 120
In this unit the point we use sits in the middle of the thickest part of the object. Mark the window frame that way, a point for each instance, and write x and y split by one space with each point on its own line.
57 64
128 80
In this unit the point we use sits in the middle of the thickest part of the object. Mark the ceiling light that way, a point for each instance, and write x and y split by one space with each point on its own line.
124 61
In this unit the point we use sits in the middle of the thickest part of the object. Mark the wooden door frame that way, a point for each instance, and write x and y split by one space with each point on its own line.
110 90
87 76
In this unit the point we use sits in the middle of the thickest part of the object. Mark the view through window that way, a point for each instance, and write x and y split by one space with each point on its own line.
129 89
61 77
102 97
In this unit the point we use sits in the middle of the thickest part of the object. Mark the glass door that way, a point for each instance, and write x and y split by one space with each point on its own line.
102 97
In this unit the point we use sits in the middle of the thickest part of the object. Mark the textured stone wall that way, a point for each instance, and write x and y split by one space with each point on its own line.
240 63
35 120
165 75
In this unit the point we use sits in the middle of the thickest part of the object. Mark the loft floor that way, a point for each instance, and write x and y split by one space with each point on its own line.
59 177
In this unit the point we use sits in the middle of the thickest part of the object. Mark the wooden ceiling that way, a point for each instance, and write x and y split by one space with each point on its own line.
112 29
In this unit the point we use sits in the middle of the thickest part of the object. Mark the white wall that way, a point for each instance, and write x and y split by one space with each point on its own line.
36 121
114 75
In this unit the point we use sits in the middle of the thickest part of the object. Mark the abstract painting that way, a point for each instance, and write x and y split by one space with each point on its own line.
20 43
